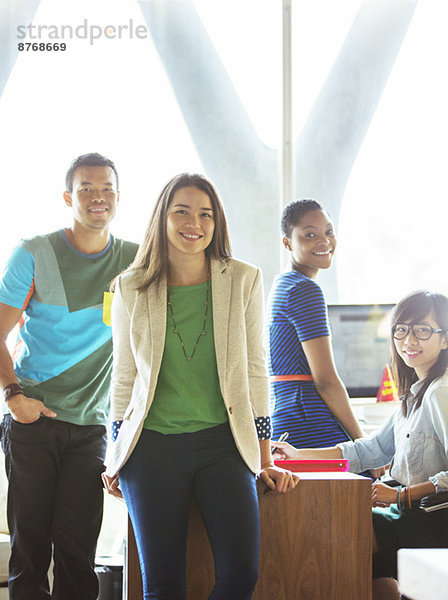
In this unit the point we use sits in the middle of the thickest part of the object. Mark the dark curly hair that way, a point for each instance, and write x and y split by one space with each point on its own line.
293 213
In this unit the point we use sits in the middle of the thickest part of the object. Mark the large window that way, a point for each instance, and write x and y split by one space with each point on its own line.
394 215
201 91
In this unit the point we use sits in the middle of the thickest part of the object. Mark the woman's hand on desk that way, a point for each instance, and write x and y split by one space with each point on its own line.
278 479
112 485
383 495
283 451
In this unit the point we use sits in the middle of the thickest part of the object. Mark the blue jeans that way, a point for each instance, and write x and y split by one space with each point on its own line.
158 482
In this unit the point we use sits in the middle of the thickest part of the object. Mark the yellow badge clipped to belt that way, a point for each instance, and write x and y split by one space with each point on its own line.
107 306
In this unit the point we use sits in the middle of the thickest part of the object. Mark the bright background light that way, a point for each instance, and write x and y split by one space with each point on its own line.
392 236
115 98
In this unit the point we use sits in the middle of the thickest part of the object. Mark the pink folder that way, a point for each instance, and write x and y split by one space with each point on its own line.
331 464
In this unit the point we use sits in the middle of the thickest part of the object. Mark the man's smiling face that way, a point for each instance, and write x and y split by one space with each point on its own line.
94 197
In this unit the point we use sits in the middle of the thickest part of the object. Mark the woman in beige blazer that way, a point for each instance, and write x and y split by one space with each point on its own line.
189 395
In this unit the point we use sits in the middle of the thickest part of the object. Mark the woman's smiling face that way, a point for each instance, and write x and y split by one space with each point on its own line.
312 243
189 222
421 355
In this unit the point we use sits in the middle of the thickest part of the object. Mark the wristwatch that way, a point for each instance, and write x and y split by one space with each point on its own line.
11 390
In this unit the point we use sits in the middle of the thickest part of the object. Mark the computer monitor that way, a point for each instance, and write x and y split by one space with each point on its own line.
361 346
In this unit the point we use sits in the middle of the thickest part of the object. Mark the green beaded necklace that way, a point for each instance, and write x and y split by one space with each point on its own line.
202 332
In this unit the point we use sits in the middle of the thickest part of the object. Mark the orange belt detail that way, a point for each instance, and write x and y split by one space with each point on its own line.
291 378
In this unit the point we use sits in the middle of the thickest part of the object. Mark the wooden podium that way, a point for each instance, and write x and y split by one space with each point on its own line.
316 544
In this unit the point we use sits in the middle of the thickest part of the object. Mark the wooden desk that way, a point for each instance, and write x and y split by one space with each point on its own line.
315 544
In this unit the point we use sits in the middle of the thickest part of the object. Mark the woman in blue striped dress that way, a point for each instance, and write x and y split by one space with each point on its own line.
308 399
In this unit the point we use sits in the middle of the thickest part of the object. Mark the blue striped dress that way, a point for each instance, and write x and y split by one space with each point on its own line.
296 313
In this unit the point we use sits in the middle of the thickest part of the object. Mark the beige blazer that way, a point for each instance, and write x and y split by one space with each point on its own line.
139 327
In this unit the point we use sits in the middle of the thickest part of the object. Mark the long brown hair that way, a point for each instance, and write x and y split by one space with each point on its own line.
152 256
412 309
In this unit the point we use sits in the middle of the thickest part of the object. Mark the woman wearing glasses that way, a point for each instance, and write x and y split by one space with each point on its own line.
308 399
414 440
189 395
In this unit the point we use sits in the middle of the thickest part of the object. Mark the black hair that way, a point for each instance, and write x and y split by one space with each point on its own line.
293 213
92 159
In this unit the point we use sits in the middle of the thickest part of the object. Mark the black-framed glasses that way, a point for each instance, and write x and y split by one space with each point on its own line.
419 330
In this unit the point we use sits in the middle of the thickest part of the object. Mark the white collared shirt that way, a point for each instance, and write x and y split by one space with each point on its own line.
416 445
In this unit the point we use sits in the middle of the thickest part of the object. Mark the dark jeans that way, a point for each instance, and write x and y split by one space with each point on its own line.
158 482
55 498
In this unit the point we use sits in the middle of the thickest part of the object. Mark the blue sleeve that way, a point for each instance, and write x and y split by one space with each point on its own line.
371 452
17 283
307 311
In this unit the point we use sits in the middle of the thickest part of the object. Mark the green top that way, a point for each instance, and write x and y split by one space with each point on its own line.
187 397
